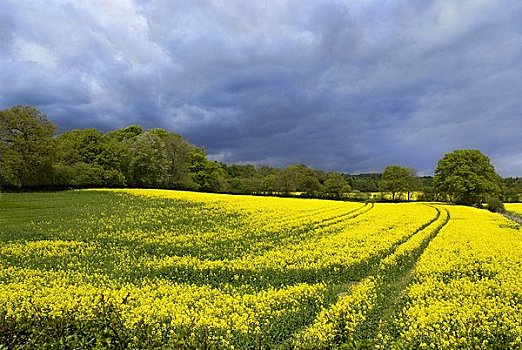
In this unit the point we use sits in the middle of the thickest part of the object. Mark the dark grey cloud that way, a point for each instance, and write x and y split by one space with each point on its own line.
340 85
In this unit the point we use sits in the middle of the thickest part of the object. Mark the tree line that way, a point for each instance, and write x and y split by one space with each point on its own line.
33 156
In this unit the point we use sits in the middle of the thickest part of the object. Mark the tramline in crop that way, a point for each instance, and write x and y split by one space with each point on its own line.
467 287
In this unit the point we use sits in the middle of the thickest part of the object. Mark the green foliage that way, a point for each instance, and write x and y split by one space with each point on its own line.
26 147
127 133
298 178
335 185
88 158
29 156
285 182
495 205
512 190
148 161
396 180
364 182
131 156
466 177
268 184
246 178
177 152
207 176
307 180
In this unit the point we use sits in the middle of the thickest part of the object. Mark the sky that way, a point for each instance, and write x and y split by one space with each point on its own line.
349 86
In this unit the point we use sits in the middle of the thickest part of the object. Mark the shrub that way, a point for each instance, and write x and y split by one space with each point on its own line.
495 205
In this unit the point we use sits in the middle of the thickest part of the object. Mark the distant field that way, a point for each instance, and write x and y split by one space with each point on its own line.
167 269
514 208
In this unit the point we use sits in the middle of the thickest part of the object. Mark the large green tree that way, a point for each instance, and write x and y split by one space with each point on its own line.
243 178
207 176
307 180
26 147
511 189
466 177
298 178
177 153
148 166
335 185
364 182
89 158
398 180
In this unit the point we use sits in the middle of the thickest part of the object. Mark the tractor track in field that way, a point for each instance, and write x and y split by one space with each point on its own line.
334 220
329 220
513 217
344 217
391 292
391 280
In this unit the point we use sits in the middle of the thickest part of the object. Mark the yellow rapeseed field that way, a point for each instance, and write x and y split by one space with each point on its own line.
514 208
171 269
467 287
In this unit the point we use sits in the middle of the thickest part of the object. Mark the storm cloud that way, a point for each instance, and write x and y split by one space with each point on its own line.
350 86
